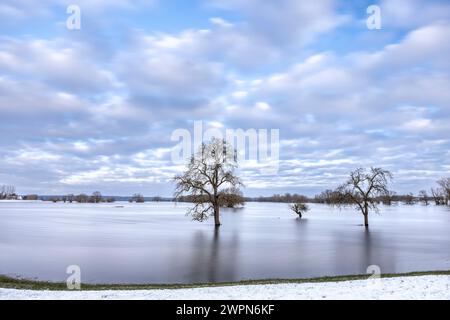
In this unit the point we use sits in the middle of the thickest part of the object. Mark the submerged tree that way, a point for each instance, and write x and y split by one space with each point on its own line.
299 208
210 171
445 187
362 190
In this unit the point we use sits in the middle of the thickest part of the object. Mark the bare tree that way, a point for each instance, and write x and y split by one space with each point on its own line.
362 189
408 199
8 192
445 187
388 197
210 171
70 197
423 196
138 198
299 208
82 198
437 196
96 197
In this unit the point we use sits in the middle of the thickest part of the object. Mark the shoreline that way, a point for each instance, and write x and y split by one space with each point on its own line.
425 287
34 285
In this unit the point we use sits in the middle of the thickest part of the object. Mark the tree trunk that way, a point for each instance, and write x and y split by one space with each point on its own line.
366 220
366 214
217 214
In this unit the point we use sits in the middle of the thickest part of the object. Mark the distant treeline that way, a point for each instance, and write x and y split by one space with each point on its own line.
233 197
332 197
284 198
326 197
96 197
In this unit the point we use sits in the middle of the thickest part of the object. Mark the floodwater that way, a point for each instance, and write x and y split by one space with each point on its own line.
157 243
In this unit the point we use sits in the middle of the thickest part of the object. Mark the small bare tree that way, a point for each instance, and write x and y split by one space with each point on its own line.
11 191
82 198
437 196
137 197
362 189
445 187
70 197
210 171
388 198
423 196
408 199
8 192
96 197
299 208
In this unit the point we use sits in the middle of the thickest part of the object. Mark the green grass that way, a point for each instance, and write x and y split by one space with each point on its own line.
7 282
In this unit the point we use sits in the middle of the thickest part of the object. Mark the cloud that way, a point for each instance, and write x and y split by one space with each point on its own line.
60 63
363 112
413 13
18 10
78 116
423 47
156 68
286 22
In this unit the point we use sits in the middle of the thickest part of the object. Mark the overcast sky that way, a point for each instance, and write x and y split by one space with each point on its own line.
94 109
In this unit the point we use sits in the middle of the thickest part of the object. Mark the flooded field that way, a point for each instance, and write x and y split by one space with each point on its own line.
157 243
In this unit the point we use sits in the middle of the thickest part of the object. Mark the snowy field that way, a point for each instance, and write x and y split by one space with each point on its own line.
423 287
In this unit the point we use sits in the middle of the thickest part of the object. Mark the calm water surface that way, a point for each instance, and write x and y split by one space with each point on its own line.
157 243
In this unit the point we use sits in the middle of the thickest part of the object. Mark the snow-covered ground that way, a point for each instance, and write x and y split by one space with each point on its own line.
423 287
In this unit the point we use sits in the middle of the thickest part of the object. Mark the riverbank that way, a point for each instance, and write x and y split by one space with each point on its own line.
26 284
412 287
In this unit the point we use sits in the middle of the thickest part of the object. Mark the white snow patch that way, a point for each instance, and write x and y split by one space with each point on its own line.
417 287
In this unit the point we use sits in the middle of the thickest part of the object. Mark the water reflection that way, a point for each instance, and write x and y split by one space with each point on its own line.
358 249
373 254
214 256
